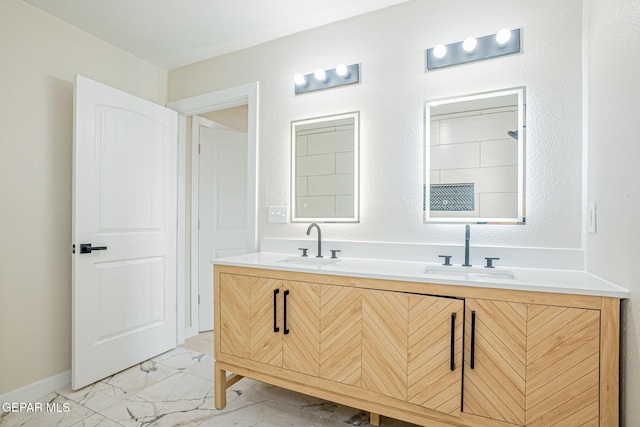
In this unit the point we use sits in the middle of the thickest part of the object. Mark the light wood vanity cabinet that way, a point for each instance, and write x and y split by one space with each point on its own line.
395 348
412 348
253 322
533 365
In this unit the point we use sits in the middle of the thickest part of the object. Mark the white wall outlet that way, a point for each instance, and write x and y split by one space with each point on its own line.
592 217
278 213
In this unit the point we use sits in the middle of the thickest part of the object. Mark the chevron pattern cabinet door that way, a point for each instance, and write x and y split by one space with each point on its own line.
301 346
266 345
495 387
385 319
235 315
431 381
341 334
562 367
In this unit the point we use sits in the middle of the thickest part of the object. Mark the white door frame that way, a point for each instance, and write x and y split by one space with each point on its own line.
218 100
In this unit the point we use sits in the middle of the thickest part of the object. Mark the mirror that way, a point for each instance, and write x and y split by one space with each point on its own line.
324 169
474 158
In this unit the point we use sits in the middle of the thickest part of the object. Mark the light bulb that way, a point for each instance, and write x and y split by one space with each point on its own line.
469 44
299 80
342 70
503 36
320 75
439 51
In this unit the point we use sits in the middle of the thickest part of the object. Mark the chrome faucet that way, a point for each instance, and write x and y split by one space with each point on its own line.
467 238
319 238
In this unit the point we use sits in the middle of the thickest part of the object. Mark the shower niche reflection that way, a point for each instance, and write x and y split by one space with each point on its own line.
474 158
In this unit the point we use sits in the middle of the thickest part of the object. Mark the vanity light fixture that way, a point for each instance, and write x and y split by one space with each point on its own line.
300 80
505 42
342 70
324 79
439 51
320 75
503 36
469 44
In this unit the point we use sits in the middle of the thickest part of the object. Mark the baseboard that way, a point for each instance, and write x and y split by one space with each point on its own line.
37 389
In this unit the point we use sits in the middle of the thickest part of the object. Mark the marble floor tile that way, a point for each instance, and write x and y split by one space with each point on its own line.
270 414
117 387
260 392
96 420
321 412
181 400
176 389
181 358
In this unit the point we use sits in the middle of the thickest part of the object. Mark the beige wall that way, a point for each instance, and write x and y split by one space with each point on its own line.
390 45
234 117
613 61
40 56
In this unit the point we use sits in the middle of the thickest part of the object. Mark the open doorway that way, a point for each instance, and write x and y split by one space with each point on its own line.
219 198
203 108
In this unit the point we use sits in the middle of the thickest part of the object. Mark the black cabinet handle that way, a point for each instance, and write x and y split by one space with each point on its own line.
453 341
275 310
286 331
472 356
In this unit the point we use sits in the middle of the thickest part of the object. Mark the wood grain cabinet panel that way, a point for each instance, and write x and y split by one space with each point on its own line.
562 366
301 340
341 334
235 313
252 308
412 348
266 313
533 365
495 364
385 321
435 353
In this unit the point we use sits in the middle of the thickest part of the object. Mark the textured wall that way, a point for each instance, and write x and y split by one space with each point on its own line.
41 56
389 45
613 61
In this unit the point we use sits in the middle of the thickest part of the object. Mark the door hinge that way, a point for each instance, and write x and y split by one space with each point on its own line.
73 249
198 299
199 145
198 224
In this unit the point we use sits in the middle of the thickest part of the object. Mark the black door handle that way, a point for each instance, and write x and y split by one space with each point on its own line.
86 248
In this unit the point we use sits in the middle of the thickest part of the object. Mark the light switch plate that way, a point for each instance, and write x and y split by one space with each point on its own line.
592 217
278 213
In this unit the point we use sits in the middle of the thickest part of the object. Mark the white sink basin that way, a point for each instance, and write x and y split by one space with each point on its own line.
311 261
467 273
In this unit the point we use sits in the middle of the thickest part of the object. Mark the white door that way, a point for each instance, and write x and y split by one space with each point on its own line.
124 204
222 208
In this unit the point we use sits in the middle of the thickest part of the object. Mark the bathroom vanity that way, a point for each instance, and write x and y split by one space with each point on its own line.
432 345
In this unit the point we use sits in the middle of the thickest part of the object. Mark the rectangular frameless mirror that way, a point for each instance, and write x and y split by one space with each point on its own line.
324 169
475 159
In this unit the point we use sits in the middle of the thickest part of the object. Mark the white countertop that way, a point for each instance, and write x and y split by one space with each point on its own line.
526 279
